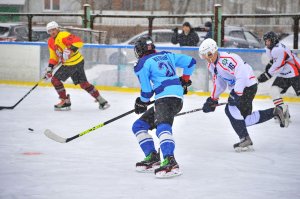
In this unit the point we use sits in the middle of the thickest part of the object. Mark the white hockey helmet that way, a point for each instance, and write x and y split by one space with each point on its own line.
208 45
51 25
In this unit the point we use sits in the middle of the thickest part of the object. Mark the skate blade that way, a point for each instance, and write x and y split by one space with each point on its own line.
244 149
143 169
171 174
62 109
106 106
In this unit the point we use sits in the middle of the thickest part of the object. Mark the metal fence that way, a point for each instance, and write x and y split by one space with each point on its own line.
89 19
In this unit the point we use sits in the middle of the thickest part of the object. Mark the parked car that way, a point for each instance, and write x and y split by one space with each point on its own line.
238 37
15 32
161 37
41 33
289 41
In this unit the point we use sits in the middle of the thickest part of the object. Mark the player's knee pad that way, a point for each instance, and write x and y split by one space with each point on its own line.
233 113
275 92
139 125
163 128
84 85
55 81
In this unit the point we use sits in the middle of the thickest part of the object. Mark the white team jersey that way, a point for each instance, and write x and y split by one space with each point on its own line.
284 62
230 70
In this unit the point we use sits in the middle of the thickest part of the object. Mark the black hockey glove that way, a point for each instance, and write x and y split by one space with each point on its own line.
139 106
264 77
209 105
234 99
185 84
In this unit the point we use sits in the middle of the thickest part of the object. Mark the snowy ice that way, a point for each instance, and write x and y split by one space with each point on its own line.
101 164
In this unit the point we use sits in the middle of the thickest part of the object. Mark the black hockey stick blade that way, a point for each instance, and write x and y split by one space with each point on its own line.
12 107
7 107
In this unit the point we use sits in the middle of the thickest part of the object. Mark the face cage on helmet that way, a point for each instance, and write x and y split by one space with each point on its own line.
138 54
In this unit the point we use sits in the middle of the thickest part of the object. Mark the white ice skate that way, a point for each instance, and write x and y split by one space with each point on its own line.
63 105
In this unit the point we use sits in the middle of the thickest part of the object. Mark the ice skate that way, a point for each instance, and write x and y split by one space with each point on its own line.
168 168
244 145
103 104
281 113
63 105
149 164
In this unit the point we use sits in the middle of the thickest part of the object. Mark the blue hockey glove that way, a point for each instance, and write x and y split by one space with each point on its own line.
209 105
234 99
139 106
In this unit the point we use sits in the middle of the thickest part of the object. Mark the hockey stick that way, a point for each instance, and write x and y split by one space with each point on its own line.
197 109
43 78
60 139
12 107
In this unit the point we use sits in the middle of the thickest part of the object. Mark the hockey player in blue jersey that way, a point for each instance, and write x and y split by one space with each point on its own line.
229 70
157 76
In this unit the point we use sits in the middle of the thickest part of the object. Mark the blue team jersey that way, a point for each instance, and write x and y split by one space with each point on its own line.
157 74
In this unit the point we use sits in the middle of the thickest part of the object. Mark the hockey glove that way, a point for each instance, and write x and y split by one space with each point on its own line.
48 73
209 105
185 83
264 77
66 54
139 106
234 99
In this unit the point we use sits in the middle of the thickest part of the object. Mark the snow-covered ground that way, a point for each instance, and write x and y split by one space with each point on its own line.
101 163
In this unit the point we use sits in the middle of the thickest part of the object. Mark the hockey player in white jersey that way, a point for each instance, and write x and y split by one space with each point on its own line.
284 65
229 70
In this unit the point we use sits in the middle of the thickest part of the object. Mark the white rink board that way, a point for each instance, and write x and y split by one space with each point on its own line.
20 62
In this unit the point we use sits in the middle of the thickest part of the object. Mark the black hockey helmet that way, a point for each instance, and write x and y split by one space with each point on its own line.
144 46
273 38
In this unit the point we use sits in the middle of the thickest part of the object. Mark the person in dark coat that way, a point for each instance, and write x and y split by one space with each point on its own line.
208 28
188 37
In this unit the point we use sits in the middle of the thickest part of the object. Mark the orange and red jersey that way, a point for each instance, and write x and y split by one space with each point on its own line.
64 40
285 63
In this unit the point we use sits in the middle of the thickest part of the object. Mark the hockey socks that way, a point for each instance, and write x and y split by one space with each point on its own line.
140 129
164 134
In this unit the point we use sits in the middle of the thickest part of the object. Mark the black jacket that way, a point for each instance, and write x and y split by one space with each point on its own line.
191 39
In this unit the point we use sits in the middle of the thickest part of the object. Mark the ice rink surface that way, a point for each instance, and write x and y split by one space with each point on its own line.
101 164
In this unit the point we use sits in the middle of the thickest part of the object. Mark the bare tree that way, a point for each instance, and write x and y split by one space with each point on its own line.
179 7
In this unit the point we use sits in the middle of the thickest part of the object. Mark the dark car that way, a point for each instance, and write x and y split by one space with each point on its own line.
41 33
238 37
241 38
15 32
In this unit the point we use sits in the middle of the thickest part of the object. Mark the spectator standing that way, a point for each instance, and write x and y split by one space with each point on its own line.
188 37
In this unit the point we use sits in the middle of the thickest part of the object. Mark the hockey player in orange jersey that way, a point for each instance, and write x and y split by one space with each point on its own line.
64 47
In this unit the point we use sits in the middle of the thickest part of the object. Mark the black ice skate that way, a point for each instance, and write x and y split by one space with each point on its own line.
168 168
244 145
103 104
149 164
281 113
63 105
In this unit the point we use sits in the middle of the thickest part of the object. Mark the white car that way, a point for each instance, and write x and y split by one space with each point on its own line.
289 41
